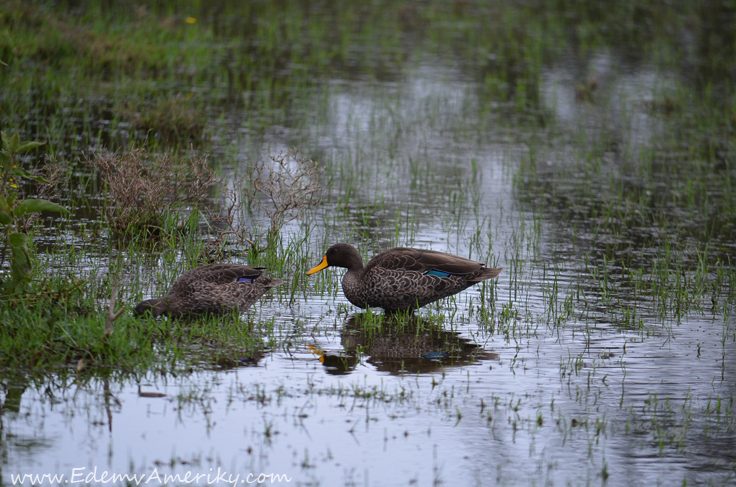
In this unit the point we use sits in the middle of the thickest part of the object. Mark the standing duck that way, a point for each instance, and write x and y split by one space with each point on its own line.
214 289
402 279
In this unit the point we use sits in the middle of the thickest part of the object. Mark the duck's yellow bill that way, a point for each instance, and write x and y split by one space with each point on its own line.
319 267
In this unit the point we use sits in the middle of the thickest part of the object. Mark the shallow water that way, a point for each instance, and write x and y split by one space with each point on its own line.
565 371
522 412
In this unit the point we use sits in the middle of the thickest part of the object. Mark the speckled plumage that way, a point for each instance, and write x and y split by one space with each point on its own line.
397 279
213 289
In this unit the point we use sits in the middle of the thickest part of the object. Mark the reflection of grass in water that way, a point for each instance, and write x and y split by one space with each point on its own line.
265 58
673 221
641 241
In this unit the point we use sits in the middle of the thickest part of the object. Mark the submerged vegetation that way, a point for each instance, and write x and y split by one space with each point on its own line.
585 147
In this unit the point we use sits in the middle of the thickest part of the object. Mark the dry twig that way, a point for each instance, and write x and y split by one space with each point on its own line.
282 187
112 315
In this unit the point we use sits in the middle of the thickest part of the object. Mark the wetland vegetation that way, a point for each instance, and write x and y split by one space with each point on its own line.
585 147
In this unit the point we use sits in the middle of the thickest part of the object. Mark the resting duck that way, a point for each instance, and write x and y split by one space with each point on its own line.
214 289
402 279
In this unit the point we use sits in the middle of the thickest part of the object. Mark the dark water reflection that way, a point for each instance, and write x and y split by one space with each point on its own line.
405 345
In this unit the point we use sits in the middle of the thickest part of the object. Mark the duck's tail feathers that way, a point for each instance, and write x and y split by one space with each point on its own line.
273 283
487 273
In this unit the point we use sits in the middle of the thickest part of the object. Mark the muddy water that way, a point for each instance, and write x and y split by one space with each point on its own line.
545 388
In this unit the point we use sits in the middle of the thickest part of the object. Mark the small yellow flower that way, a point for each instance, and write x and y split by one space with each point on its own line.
190 20
14 186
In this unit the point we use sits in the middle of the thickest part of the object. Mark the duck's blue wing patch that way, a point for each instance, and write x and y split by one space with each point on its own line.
436 355
437 273
245 279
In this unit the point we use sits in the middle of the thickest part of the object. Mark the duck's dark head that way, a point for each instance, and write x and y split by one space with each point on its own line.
339 255
155 307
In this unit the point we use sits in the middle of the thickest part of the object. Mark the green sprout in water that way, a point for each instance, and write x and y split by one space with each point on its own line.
13 209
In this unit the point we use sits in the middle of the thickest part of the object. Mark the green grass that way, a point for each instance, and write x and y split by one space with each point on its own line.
59 326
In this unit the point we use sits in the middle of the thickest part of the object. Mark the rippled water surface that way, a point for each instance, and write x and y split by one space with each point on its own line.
602 355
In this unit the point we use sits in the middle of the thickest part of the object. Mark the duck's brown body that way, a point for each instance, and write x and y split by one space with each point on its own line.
403 279
211 289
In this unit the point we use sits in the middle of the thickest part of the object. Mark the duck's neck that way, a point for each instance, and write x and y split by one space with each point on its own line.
352 285
352 277
156 306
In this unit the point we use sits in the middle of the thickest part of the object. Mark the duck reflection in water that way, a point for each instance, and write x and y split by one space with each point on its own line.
400 345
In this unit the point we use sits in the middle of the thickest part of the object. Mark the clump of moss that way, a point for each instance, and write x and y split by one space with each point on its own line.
171 119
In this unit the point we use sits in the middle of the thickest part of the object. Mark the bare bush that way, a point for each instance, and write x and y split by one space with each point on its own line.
282 187
143 191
